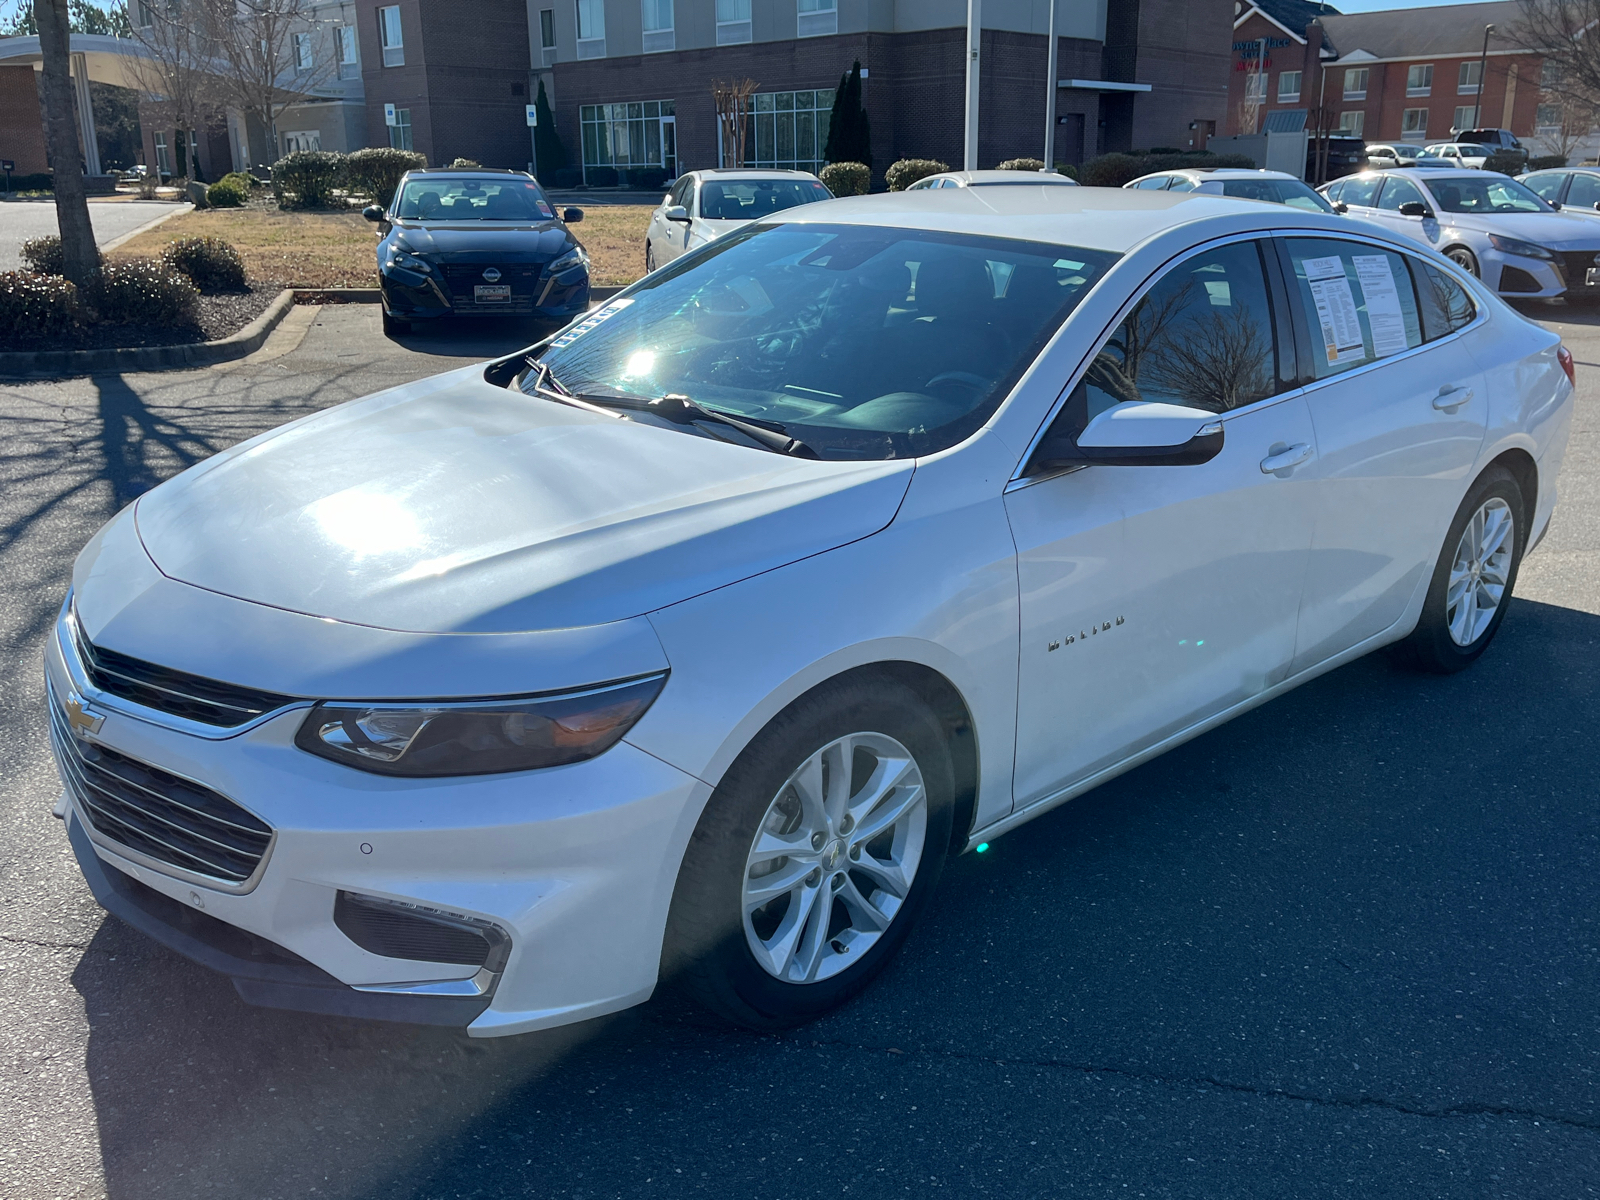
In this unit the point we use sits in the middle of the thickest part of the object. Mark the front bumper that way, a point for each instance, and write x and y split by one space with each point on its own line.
574 864
1522 278
450 289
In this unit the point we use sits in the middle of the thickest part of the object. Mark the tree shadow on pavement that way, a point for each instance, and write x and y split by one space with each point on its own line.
1343 945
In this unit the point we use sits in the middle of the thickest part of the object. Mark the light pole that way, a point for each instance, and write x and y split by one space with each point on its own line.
974 36
1050 97
1483 63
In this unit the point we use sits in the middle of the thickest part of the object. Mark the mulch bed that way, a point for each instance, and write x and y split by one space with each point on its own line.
220 316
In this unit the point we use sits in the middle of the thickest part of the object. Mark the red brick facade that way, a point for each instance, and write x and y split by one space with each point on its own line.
21 125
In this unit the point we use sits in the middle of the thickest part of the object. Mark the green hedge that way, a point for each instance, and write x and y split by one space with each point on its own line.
211 264
143 291
907 171
1116 169
1506 162
847 178
307 178
376 171
226 193
35 307
40 181
1021 164
44 255
1546 162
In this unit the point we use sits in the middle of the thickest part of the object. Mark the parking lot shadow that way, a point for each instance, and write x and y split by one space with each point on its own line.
1363 912
482 337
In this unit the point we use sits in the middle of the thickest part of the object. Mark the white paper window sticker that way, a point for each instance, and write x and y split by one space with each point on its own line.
1378 285
1336 310
584 326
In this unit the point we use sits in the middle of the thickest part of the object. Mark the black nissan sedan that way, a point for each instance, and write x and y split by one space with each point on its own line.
476 243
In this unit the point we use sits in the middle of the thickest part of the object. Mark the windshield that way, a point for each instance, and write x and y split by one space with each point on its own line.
1276 191
747 199
496 198
1483 195
863 342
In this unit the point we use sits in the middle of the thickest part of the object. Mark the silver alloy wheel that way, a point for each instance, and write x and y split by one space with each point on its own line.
1479 571
834 857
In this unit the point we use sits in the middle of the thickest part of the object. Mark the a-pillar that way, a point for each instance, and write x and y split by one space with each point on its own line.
86 131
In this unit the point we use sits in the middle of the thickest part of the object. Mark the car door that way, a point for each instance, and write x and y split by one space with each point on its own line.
1398 190
1154 597
675 234
1360 194
1399 409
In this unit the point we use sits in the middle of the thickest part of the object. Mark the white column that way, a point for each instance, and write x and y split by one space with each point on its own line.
1050 96
80 83
974 38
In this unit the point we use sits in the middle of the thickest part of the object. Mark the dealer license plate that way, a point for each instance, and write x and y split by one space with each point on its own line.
1591 277
491 293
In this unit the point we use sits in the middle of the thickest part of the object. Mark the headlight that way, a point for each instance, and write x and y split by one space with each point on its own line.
576 257
477 737
1517 246
399 258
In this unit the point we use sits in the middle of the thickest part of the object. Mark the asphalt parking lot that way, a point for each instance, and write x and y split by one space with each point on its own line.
1346 946
23 220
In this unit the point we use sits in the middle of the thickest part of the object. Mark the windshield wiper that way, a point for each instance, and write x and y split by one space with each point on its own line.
547 385
681 410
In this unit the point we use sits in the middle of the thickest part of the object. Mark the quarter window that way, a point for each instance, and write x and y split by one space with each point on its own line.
1359 303
1360 190
1446 307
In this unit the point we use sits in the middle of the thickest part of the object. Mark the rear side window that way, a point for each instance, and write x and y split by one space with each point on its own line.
1584 192
1546 185
1359 302
1446 307
1155 184
1335 190
1361 190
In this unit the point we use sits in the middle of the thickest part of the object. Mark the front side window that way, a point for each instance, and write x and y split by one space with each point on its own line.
1398 191
1289 87
454 199
863 342
1359 302
1546 185
1355 84
1469 77
1419 79
389 35
749 199
1584 192
1202 336
1277 191
1474 194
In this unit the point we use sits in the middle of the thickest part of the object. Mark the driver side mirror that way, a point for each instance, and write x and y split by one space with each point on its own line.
677 213
373 212
1555 204
1415 208
572 215
1137 433
1341 207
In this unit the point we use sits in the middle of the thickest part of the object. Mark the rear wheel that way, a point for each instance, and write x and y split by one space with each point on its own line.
1472 582
1463 258
814 857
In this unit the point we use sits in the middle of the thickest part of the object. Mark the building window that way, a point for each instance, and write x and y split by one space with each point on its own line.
1288 87
394 47
400 131
1419 79
304 53
163 159
1355 84
1414 124
816 18
591 28
641 134
1351 124
1465 115
344 39
1548 117
788 129
144 16
658 34
1469 78
547 35
1549 74
733 22
305 139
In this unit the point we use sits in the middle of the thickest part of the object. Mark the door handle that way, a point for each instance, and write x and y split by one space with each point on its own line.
1286 460
1451 398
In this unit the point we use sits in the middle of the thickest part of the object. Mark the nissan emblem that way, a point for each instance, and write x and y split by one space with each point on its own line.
493 273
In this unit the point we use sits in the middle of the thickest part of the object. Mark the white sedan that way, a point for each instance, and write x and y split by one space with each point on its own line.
988 179
1269 187
1487 223
688 644
705 205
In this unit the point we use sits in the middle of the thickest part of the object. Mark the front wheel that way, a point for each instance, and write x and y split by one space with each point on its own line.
1465 259
814 856
649 258
393 325
1471 586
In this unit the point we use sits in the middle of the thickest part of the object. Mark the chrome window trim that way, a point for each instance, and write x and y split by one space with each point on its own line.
81 683
119 850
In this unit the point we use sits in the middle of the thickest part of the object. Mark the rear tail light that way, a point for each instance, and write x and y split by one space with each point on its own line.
1564 357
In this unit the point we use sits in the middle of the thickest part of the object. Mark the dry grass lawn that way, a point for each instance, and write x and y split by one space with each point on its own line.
337 249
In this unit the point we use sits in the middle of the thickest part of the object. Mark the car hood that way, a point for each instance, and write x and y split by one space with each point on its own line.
542 239
1556 231
453 506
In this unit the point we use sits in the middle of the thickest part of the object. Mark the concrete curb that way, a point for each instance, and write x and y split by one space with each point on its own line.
338 295
59 363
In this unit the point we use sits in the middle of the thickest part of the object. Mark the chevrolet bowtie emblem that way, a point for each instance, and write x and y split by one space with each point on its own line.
81 717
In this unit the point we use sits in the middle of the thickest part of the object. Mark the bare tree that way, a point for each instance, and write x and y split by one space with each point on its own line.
1566 33
177 67
732 99
1577 122
277 52
80 258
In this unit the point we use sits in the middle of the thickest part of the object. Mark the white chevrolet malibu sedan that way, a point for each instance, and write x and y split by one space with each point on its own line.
688 644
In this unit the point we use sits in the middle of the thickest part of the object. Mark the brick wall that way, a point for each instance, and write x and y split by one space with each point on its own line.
21 124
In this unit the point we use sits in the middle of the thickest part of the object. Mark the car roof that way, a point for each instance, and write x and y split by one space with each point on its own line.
1200 174
990 178
1422 175
466 171
1095 218
752 173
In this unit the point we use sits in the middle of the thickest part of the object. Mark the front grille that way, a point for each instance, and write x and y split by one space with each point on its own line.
1575 266
396 930
156 813
209 701
523 279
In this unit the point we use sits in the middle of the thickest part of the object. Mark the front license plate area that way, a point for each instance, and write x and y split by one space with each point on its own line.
491 293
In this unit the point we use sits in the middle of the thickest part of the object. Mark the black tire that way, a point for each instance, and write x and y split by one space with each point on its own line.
393 326
707 955
1465 259
649 258
1431 647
